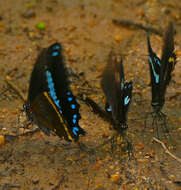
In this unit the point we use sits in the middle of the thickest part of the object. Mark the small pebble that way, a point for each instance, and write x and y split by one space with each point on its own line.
2 140
106 134
117 38
115 178
172 177
91 23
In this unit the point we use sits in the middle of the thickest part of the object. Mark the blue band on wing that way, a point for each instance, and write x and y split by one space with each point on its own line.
52 89
109 109
55 53
56 47
130 85
70 99
74 121
75 130
75 116
126 100
73 106
157 61
153 69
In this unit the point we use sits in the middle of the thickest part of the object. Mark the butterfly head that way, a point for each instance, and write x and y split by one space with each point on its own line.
157 106
120 126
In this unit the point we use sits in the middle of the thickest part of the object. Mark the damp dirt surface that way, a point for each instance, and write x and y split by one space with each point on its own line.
88 30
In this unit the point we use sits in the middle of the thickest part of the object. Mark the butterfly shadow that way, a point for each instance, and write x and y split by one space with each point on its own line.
118 139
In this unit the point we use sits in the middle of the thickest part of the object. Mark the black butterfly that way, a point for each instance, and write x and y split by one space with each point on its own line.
50 103
160 71
118 92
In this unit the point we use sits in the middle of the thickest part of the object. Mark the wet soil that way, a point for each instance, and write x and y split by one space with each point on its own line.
86 30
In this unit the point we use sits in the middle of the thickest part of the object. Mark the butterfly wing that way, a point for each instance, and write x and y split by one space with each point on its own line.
57 73
110 83
37 86
50 86
168 60
126 100
155 66
47 117
116 92
38 83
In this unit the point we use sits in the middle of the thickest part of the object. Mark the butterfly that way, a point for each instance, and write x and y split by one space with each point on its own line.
50 103
118 92
160 70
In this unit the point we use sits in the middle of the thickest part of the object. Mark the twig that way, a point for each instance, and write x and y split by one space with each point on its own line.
135 25
14 87
166 150
10 186
10 138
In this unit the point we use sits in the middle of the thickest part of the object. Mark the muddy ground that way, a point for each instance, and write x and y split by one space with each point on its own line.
87 32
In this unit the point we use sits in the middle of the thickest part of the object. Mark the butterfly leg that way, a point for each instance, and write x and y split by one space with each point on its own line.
84 148
146 118
113 143
164 123
153 119
129 146
157 125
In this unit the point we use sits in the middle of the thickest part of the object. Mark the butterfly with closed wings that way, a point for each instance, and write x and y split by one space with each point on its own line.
50 103
118 94
160 73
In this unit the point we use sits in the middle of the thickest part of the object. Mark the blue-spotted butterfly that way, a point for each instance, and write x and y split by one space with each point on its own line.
161 69
118 92
50 103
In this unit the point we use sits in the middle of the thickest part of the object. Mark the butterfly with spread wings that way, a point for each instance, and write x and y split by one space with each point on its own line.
50 103
160 73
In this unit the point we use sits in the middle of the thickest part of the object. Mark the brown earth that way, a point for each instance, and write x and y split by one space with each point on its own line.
87 33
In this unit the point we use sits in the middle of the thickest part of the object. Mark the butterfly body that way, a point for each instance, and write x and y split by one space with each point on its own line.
118 92
50 103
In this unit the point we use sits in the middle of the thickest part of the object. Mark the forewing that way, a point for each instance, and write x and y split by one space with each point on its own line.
38 83
112 76
126 100
60 92
155 66
168 59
